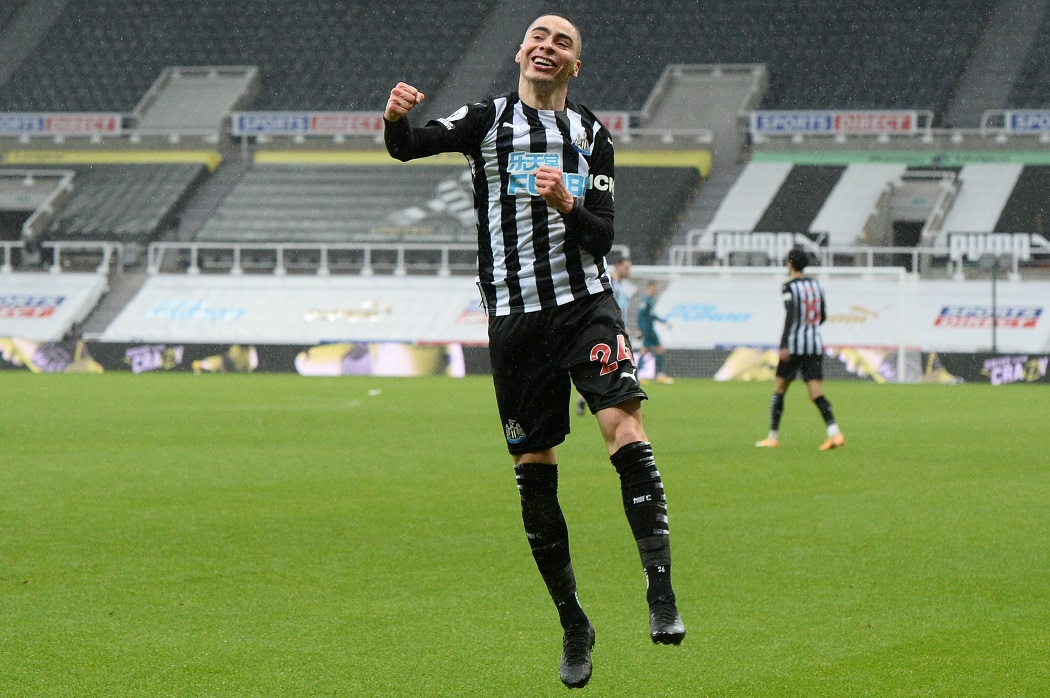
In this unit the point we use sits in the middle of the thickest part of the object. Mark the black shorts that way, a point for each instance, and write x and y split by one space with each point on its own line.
536 355
811 366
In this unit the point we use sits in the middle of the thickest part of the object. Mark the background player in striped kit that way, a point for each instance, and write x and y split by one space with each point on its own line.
802 350
542 168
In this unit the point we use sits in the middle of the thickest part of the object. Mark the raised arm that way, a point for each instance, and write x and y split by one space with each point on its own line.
455 133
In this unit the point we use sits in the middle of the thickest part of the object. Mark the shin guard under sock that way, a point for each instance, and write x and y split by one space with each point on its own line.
646 509
776 411
549 537
825 410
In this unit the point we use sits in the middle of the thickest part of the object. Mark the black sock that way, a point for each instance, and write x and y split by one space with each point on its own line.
658 584
549 537
825 410
646 509
776 411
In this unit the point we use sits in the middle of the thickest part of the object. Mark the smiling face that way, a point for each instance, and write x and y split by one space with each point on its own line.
550 52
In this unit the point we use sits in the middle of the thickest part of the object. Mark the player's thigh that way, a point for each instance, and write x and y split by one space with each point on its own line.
812 367
532 390
598 354
790 368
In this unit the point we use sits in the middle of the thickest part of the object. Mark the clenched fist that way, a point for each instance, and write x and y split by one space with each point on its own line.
403 99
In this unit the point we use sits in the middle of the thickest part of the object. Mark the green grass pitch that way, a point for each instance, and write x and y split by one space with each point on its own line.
271 535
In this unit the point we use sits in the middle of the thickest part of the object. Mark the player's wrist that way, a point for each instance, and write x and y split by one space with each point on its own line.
570 203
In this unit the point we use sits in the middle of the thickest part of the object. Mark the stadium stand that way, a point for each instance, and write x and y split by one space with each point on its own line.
8 10
103 55
799 199
748 198
824 53
129 203
1028 209
1031 89
649 200
983 194
421 203
850 203
336 204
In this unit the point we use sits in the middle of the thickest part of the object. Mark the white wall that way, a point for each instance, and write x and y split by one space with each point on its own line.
706 312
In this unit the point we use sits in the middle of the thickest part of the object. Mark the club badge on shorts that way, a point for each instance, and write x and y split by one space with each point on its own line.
515 434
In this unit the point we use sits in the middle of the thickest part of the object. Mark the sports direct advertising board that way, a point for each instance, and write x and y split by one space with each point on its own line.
773 123
59 124
288 123
43 306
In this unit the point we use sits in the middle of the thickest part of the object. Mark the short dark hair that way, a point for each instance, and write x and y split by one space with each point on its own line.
798 259
579 36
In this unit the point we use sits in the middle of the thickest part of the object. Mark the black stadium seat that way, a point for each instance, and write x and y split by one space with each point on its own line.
116 50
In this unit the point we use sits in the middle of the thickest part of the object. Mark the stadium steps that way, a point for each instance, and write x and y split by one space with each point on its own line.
211 194
701 210
122 288
471 76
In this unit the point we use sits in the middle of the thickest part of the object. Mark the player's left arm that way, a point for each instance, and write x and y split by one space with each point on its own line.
588 218
789 313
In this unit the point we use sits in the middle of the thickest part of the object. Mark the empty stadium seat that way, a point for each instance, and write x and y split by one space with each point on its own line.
821 54
123 203
1031 89
115 51
340 204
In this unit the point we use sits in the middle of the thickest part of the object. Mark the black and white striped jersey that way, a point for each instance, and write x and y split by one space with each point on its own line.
530 256
805 313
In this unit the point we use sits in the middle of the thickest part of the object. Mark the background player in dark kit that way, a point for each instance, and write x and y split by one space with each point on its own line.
543 180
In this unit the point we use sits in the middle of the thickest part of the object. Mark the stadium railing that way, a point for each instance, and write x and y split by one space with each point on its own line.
743 248
322 259
106 256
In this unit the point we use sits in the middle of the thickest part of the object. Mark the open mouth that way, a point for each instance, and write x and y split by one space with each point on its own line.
542 62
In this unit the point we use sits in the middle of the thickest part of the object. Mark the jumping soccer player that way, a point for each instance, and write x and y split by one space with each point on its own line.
802 350
542 169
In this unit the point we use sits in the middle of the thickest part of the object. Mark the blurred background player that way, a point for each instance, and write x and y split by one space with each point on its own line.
647 319
552 319
802 350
